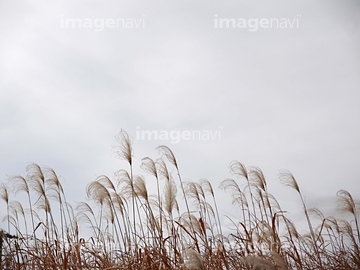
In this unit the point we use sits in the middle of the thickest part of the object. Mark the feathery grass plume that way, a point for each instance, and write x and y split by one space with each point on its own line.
168 154
106 182
316 213
192 192
16 208
189 221
238 169
54 186
207 188
85 214
125 182
170 196
171 158
169 193
237 194
347 204
4 195
259 199
148 165
115 203
127 190
34 172
192 259
98 193
38 184
238 197
39 189
206 212
258 178
140 187
119 203
19 183
53 182
289 180
141 192
333 229
124 149
162 169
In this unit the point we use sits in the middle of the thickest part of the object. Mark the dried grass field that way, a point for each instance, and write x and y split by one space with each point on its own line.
132 229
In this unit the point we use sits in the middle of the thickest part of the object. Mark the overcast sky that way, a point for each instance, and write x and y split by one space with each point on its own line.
277 96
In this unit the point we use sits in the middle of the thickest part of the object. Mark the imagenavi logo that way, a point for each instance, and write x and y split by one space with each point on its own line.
254 24
100 24
176 136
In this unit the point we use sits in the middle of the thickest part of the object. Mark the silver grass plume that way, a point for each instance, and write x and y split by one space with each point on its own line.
170 195
4 195
168 154
347 204
192 259
237 194
106 182
19 184
140 187
35 173
97 192
238 169
124 179
289 180
258 178
162 169
124 150
149 166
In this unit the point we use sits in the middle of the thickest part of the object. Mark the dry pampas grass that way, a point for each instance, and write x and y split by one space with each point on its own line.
123 226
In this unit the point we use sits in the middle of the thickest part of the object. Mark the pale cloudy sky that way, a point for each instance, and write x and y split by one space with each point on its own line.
281 98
